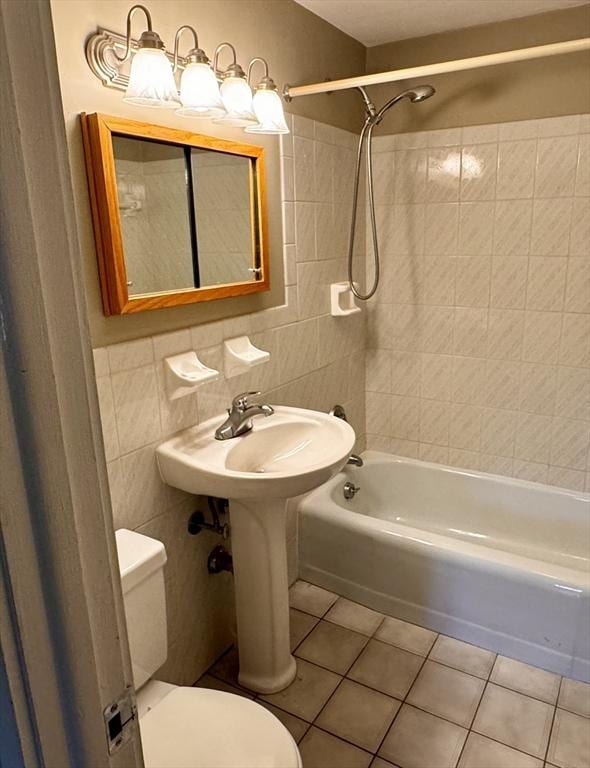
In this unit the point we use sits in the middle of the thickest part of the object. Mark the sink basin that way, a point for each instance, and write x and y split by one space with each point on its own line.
285 455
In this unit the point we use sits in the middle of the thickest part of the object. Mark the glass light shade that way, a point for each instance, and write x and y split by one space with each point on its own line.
268 109
151 82
199 92
237 99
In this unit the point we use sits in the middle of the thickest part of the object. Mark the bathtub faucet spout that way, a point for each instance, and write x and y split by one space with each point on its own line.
355 460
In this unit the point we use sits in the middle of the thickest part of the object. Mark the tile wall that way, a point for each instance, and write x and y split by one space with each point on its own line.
316 361
478 343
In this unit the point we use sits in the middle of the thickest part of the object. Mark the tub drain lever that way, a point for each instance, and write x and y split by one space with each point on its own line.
350 490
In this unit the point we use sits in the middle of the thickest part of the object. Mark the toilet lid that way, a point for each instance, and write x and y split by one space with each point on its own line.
201 728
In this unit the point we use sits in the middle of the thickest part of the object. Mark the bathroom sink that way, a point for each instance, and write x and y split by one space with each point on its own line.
284 455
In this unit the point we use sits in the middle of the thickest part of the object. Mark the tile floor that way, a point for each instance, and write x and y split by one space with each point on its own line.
375 691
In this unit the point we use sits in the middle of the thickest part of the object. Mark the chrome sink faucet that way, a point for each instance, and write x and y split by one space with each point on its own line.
239 418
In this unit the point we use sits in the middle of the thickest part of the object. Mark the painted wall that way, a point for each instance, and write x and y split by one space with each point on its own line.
316 361
559 85
299 47
479 337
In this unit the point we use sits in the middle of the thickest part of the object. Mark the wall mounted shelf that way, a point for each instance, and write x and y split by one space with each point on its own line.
185 373
342 300
239 355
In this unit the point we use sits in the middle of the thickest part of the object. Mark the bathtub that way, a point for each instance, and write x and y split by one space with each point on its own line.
500 563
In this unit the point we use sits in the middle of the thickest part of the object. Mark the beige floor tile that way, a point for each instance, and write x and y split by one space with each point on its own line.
227 667
515 720
575 697
523 678
321 750
308 693
332 646
570 741
354 616
468 658
215 684
378 762
300 625
417 739
389 669
407 636
310 599
359 715
447 692
480 752
296 727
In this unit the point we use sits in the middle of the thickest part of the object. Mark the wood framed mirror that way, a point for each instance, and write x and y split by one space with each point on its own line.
178 217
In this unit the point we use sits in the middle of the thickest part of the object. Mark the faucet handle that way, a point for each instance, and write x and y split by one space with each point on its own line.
240 402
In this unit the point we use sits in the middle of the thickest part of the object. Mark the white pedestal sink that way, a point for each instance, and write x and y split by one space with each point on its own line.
285 455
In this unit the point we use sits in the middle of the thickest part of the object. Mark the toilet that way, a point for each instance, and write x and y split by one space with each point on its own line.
185 727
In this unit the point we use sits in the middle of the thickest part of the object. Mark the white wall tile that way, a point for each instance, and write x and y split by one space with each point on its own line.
556 167
516 169
577 295
444 175
546 283
137 409
303 167
575 340
101 361
442 226
512 227
107 417
478 171
582 188
579 241
476 223
551 227
130 354
542 334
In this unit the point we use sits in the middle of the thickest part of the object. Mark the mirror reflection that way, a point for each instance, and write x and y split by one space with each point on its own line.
187 216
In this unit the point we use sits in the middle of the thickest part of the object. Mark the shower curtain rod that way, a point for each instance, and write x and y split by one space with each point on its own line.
488 60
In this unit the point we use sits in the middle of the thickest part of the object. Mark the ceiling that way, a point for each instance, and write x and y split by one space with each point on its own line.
373 22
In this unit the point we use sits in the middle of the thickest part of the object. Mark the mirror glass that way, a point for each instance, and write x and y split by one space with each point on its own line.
187 216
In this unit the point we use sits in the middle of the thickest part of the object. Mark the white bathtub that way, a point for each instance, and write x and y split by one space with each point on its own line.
501 563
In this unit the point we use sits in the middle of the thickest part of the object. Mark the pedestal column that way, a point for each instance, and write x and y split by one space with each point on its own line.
258 532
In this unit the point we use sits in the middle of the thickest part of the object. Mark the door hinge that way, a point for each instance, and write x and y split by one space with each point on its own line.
118 719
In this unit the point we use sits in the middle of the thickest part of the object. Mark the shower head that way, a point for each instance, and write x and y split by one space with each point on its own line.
419 93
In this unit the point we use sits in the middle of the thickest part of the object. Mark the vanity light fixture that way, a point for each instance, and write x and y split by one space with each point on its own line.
235 90
206 91
266 104
199 89
151 81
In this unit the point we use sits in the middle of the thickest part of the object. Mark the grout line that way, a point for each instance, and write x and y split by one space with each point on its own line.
552 722
307 634
402 701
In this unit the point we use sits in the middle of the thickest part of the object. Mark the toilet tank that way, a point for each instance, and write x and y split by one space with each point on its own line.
141 565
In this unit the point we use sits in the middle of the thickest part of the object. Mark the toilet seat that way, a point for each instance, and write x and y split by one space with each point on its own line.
202 728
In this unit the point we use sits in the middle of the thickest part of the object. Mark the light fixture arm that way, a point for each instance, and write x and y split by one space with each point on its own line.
218 50
253 61
195 54
129 20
